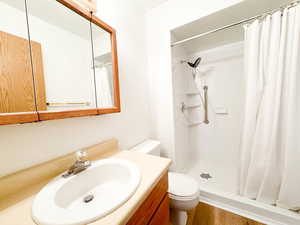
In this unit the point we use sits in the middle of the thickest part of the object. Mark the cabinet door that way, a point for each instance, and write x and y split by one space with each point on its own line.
161 216
17 92
148 208
105 67
65 60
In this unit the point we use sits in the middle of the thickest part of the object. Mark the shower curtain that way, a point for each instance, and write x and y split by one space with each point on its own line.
270 144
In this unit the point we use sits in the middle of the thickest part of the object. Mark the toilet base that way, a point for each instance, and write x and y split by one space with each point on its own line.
179 217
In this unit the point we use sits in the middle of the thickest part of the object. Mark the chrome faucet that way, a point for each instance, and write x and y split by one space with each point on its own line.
80 164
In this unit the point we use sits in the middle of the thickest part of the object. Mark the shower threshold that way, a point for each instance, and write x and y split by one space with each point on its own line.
221 189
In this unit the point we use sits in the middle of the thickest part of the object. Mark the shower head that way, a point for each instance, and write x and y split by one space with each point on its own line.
196 63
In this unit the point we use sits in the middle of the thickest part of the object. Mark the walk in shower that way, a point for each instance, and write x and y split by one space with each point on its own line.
246 85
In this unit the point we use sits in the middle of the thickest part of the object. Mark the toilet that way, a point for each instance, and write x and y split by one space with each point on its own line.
183 190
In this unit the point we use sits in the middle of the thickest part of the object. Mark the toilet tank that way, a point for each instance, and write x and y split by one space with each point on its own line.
151 147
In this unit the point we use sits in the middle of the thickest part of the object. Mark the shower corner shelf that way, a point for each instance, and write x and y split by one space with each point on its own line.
104 58
192 106
195 124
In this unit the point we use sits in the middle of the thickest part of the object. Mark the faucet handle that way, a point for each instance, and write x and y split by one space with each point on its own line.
80 155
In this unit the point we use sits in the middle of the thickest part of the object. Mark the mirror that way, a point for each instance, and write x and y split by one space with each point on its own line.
65 62
17 95
103 63
57 60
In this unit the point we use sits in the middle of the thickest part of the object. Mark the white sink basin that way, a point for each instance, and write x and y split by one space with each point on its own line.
110 182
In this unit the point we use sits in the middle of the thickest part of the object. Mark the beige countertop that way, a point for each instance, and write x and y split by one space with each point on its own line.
152 168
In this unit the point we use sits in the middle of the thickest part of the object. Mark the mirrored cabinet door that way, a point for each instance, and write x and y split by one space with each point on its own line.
17 92
106 74
57 61
63 60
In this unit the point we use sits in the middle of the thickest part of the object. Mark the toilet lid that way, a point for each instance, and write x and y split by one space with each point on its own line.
182 185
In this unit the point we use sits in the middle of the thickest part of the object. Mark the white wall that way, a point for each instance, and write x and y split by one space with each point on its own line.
160 21
25 145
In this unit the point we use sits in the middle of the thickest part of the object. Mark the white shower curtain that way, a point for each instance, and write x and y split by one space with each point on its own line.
270 145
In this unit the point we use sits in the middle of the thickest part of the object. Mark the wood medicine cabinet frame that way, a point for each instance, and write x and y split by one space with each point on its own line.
91 5
44 115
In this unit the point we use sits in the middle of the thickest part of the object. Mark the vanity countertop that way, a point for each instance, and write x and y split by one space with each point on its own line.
20 213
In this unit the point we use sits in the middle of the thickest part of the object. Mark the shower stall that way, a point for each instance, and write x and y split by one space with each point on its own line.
235 103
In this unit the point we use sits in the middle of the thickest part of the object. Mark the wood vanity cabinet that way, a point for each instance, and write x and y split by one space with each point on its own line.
155 209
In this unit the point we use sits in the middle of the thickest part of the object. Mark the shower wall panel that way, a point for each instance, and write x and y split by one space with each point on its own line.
216 145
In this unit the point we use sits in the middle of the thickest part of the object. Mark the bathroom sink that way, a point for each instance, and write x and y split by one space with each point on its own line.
87 196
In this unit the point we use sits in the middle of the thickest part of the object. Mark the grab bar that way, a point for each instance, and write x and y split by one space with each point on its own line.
206 121
185 107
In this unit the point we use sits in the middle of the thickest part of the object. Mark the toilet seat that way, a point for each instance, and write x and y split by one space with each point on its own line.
185 198
182 187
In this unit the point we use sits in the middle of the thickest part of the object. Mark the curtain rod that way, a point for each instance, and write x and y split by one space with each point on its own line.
292 4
